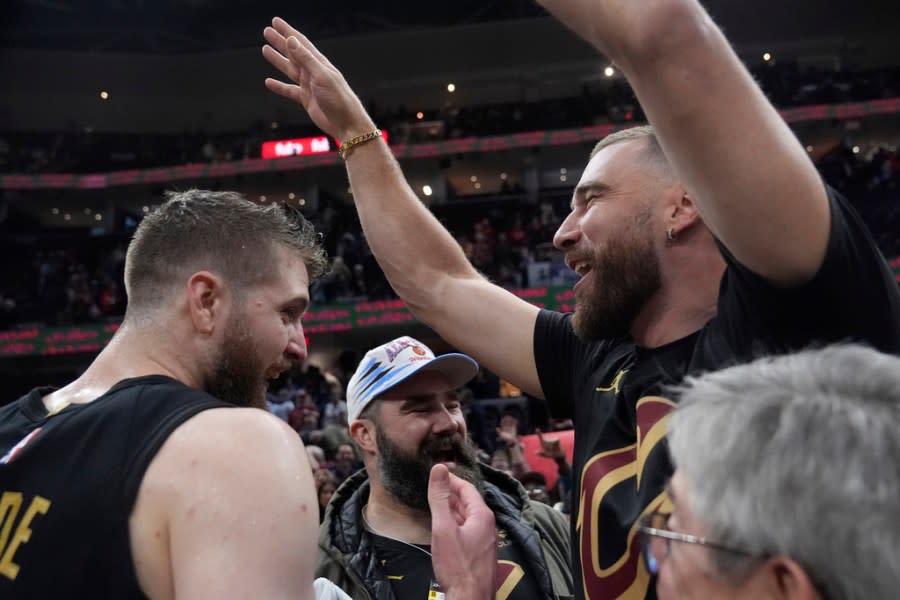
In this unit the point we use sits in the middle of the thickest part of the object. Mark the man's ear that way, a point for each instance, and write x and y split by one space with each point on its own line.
789 580
363 433
205 300
681 211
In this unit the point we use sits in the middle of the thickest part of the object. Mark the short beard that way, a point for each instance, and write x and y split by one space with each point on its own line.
626 275
238 377
405 476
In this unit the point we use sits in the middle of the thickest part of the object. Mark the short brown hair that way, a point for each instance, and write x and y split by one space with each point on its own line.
653 152
222 232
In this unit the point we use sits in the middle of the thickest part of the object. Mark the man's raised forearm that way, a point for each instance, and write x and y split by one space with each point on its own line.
413 249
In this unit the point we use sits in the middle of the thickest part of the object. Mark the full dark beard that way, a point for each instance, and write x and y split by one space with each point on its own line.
238 377
625 276
406 475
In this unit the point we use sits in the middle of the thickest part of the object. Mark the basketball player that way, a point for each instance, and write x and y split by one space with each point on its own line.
154 474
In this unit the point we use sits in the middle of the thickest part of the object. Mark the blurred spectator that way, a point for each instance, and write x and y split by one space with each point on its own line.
345 462
316 457
508 443
280 404
551 448
325 487
335 411
535 485
304 419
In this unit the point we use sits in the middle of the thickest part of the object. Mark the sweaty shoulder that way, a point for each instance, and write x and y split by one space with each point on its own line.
226 439
230 478
214 449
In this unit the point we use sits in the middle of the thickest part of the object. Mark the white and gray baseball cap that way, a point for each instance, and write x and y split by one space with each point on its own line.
390 364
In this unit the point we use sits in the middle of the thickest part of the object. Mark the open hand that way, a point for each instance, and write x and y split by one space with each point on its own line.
317 85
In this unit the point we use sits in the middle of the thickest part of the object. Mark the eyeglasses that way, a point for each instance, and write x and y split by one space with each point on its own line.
656 541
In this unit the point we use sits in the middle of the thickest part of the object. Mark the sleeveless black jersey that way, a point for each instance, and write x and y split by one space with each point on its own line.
68 482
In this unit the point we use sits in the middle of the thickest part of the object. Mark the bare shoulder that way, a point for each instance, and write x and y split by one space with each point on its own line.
224 430
230 450
233 479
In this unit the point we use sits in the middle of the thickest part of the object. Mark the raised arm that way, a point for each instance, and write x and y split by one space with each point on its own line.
755 185
422 261
227 509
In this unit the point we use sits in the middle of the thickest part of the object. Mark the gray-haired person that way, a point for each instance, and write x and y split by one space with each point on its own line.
787 481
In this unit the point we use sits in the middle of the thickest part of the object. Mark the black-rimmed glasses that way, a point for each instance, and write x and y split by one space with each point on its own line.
656 541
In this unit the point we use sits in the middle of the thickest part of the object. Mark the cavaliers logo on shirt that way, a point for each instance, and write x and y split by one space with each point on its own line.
621 576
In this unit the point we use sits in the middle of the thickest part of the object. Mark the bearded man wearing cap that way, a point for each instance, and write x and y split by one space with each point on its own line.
405 417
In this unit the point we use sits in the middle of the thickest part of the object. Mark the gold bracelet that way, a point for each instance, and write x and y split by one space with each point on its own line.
360 139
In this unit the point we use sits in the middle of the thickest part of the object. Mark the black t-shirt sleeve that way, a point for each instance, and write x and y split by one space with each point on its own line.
560 358
853 296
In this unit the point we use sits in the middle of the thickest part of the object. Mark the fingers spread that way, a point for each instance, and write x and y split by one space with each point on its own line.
292 92
278 41
284 28
280 62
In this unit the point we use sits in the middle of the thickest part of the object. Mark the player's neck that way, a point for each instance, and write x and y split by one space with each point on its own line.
129 354
386 516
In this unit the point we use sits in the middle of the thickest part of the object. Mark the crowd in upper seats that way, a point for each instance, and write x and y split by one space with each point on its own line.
79 279
79 149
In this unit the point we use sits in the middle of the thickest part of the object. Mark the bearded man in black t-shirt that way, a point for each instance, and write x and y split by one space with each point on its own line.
705 241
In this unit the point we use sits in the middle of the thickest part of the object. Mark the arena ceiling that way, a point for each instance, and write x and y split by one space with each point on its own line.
174 26
189 26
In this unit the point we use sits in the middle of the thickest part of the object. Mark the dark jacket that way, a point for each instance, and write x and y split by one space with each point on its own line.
347 557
